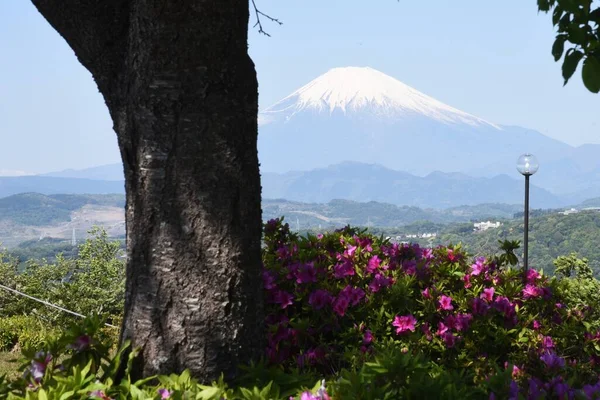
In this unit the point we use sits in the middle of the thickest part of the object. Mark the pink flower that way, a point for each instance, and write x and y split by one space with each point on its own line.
404 324
442 328
467 280
478 267
547 342
488 294
446 303
343 270
451 256
531 292
532 275
164 393
378 283
283 298
426 293
536 325
350 251
319 299
373 264
99 394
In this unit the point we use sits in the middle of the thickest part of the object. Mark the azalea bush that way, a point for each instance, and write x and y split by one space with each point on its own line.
332 297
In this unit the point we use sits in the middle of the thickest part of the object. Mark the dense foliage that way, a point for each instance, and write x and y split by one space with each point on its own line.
578 25
91 283
352 315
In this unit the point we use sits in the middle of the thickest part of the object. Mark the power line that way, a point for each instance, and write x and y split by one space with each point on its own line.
47 303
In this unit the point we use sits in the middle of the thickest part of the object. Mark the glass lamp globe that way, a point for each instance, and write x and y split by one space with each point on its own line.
527 164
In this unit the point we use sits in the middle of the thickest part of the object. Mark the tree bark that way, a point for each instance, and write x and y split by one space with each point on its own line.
182 93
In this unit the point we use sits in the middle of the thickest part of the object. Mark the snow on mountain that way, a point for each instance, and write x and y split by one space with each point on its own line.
355 89
362 115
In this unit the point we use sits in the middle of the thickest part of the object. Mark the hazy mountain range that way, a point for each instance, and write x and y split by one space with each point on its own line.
358 134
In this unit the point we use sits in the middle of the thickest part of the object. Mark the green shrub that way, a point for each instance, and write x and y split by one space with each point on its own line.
23 332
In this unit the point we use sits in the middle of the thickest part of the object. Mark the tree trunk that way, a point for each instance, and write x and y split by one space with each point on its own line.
182 92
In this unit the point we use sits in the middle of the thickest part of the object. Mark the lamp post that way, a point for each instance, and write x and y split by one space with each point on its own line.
527 165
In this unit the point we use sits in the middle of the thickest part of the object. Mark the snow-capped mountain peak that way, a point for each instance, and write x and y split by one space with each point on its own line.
359 89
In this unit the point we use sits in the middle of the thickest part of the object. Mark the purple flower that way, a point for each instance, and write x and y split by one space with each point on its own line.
552 361
450 339
536 325
404 324
513 391
426 331
479 306
340 304
164 393
378 283
306 273
81 343
269 280
367 338
319 299
340 271
283 298
462 321
354 295
446 303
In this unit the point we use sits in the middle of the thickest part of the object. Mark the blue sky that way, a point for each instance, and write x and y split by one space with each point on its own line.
491 59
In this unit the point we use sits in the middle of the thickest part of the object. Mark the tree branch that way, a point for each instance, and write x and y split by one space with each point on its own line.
258 14
96 30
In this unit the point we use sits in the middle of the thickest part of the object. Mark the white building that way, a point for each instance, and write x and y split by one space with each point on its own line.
484 226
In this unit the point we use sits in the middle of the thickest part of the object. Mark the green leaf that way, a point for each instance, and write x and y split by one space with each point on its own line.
558 12
591 74
558 47
570 64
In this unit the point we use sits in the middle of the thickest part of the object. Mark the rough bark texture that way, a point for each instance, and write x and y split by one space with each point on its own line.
182 92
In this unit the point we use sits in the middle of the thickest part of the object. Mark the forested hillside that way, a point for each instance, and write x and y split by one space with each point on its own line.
38 209
551 235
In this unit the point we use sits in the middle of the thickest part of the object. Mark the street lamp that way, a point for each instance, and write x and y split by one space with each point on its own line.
527 165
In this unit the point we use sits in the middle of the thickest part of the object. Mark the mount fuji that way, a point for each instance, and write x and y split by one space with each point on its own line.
362 115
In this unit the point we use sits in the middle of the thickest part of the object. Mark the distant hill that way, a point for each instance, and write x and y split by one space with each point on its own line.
372 182
37 209
53 185
110 172
342 212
